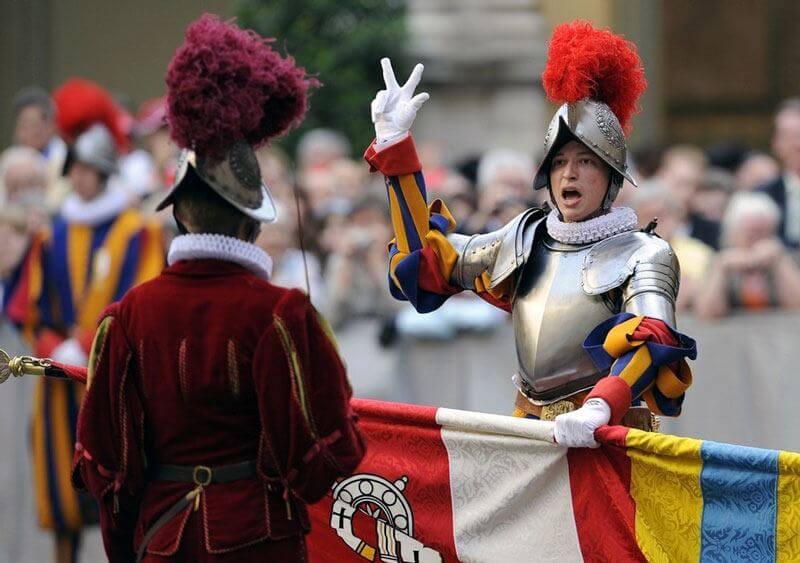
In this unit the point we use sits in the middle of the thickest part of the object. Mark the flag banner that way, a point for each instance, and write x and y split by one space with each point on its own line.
448 485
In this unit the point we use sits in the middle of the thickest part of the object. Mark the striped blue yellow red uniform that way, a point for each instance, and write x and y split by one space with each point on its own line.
421 261
83 269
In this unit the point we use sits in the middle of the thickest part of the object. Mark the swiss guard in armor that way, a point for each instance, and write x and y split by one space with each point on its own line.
592 298
216 405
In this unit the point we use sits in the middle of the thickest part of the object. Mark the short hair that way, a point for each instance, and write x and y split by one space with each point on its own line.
16 155
747 204
495 160
206 211
790 104
322 138
684 152
33 96
717 179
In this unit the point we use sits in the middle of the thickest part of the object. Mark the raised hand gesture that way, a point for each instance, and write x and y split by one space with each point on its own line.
394 109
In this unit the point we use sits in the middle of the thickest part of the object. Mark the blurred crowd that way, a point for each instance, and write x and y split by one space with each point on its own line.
732 213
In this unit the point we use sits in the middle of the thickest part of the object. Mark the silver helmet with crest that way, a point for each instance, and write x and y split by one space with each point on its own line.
598 78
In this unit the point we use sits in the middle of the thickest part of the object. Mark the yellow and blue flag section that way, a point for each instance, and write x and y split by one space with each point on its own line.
648 355
697 500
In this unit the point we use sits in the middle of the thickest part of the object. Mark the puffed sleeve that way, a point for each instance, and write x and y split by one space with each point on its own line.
310 433
108 459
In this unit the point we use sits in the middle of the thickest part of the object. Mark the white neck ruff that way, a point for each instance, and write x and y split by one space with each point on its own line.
618 220
220 247
111 202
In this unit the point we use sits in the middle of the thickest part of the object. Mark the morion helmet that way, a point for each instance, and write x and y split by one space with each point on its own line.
598 78
89 121
228 91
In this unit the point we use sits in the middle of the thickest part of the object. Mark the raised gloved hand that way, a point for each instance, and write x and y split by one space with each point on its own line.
576 429
70 352
394 109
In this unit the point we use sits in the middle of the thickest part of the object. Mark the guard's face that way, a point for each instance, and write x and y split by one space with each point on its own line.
578 182
86 181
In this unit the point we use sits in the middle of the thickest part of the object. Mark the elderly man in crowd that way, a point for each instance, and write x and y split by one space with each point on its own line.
755 269
23 183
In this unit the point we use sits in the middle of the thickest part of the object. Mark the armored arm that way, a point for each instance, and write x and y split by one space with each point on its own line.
489 259
643 267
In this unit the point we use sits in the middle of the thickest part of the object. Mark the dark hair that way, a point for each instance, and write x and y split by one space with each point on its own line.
207 212
33 96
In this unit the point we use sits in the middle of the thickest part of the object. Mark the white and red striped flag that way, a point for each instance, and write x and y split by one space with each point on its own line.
448 485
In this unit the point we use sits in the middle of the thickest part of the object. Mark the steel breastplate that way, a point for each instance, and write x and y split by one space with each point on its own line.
552 316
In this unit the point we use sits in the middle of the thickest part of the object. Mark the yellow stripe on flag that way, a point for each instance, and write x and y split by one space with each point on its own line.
665 486
787 528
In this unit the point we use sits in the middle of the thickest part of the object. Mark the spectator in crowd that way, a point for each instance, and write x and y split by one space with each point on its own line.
34 127
757 169
503 174
651 201
755 269
683 168
15 240
319 148
356 270
785 189
708 205
23 177
280 240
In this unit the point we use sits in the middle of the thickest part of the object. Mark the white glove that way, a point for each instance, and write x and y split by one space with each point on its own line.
70 352
394 109
576 429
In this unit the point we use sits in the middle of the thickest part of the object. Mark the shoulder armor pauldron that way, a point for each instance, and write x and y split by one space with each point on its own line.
612 262
499 252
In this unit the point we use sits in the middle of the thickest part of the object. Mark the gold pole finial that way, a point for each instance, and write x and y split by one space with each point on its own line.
21 365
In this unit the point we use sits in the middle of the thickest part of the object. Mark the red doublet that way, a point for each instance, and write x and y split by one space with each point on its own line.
210 365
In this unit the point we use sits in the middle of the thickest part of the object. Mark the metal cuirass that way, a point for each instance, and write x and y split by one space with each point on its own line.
552 315
564 291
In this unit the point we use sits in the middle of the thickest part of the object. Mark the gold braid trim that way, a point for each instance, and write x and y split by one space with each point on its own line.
96 353
298 385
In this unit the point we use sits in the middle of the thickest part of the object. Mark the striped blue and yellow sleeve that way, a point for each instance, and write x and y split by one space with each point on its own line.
648 355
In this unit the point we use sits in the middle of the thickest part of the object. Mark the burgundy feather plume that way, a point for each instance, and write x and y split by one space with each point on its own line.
584 62
226 84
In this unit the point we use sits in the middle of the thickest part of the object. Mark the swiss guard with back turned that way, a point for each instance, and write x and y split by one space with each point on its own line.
217 405
592 298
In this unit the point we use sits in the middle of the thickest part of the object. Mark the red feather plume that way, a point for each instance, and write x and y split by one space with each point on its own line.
584 62
81 103
225 84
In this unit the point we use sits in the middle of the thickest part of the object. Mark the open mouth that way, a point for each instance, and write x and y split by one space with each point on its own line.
570 196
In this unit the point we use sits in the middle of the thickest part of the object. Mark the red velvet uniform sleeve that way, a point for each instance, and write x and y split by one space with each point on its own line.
310 435
108 460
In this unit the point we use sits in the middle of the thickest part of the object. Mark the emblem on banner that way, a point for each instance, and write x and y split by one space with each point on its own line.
384 502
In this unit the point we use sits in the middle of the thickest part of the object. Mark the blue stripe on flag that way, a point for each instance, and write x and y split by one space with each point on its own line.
739 487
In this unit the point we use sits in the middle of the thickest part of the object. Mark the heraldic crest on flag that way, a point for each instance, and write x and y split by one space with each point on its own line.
384 502
445 485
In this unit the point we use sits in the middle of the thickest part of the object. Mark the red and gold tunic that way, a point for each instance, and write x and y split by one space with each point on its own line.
210 365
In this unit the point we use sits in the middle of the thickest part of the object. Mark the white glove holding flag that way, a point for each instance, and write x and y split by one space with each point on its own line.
576 429
70 352
394 109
